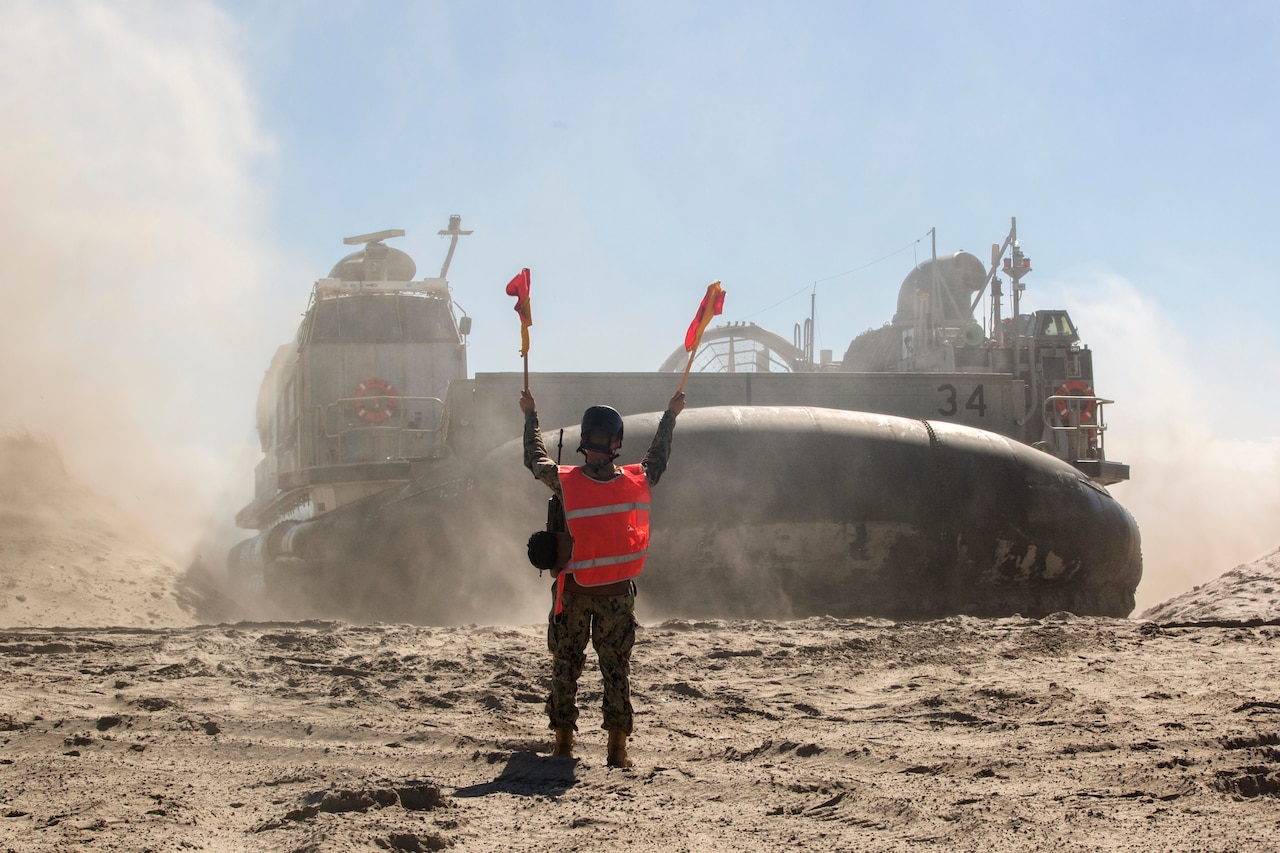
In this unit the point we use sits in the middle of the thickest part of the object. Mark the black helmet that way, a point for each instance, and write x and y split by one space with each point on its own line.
600 419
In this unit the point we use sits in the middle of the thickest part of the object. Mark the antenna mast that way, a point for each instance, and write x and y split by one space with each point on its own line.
1016 266
454 231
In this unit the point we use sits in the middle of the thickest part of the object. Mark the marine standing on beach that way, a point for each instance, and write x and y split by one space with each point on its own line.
594 596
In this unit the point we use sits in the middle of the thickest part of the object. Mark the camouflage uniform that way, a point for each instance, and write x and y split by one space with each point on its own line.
608 621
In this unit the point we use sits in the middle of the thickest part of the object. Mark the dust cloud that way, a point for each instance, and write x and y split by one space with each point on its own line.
1205 500
134 329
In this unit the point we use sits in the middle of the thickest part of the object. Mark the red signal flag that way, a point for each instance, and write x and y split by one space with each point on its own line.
712 305
519 288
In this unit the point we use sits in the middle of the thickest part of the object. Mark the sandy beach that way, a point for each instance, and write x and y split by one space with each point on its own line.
140 712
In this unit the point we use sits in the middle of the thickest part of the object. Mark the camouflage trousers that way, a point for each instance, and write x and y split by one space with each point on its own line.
609 622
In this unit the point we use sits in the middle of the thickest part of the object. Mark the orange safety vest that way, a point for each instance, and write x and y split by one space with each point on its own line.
609 523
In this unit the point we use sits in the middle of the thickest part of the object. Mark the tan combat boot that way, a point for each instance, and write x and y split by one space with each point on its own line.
618 749
564 742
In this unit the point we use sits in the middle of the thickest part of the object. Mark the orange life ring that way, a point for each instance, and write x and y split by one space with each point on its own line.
381 403
1076 388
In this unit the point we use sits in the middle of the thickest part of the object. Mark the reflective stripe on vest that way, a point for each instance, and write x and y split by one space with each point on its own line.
609 523
575 565
606 510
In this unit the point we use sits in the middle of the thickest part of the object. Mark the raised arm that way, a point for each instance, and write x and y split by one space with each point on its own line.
536 459
655 458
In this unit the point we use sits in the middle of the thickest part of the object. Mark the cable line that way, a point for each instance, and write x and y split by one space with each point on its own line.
816 282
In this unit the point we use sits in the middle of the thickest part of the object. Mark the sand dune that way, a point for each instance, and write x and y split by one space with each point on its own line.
69 557
1249 592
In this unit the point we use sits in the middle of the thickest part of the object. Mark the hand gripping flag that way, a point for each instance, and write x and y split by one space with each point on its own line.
712 304
519 288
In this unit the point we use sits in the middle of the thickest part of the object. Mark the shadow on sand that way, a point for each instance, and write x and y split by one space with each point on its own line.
528 774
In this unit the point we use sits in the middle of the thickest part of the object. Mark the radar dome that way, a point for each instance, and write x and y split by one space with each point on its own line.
375 262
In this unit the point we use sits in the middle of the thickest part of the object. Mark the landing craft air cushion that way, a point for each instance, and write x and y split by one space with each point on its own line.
943 466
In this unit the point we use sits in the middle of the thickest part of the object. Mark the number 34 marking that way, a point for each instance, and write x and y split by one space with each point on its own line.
950 405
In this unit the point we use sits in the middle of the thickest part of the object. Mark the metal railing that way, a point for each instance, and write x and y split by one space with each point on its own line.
1080 421
376 428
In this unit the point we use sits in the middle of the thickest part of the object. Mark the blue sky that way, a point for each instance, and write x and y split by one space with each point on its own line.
188 169
629 153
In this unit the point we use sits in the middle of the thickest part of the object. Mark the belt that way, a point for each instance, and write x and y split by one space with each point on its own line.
603 591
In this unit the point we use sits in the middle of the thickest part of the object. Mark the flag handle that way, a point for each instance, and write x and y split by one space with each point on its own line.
687 367
526 371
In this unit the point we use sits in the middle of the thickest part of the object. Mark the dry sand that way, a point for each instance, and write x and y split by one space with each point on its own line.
139 725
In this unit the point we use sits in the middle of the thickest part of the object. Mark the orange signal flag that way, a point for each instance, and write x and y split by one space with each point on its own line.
712 304
519 288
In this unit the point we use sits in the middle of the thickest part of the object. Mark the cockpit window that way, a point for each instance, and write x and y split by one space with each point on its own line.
384 318
1056 324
